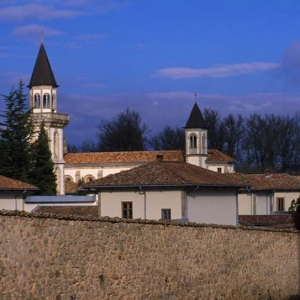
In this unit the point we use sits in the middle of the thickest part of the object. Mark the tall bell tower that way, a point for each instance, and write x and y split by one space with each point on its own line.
196 138
43 104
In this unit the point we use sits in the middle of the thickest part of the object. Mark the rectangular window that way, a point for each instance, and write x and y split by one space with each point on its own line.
219 170
166 214
280 204
127 210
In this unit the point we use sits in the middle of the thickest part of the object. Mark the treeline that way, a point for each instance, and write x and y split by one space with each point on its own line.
256 142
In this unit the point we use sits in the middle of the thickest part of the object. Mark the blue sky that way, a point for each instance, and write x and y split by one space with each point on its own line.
240 57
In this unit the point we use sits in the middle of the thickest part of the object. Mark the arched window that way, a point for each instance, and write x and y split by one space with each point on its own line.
37 100
88 178
68 178
46 100
193 141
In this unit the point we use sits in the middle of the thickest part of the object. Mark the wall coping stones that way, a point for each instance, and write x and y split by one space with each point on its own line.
23 214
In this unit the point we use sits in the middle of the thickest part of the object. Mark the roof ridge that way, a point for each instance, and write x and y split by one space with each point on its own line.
174 171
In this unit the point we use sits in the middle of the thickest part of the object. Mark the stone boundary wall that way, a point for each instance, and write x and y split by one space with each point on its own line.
54 257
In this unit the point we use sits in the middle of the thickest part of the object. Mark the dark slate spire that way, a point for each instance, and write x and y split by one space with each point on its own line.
196 119
42 73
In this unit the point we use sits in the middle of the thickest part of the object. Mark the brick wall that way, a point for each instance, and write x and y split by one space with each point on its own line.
53 257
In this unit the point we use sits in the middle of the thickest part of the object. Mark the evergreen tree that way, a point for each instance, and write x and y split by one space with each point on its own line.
15 136
42 174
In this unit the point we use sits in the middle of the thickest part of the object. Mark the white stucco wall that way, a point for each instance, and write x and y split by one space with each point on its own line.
94 170
245 201
212 207
288 198
11 200
111 203
266 202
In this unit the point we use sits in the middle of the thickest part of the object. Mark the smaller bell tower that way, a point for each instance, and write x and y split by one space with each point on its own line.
43 104
196 138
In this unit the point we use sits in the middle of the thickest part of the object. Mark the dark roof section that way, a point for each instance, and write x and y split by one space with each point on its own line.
83 211
176 174
276 221
196 119
42 73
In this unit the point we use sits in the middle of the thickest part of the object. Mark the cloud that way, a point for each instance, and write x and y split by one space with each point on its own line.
290 65
219 71
36 11
34 30
90 36
98 6
141 46
94 85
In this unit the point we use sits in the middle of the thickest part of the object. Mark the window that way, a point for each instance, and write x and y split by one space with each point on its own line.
219 170
280 204
166 214
127 210
46 101
193 141
37 102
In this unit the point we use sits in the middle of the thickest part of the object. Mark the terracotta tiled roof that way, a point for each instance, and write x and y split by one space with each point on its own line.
84 211
70 187
276 181
215 155
11 184
166 174
122 157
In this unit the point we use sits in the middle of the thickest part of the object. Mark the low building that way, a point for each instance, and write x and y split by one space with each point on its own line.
267 193
12 193
170 191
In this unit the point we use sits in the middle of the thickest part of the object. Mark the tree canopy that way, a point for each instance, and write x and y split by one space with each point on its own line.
42 174
20 158
125 132
168 139
15 136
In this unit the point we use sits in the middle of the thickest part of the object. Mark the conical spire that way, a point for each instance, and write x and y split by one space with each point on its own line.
196 119
42 73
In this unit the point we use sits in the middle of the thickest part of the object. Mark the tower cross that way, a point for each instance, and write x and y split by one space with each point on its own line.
42 36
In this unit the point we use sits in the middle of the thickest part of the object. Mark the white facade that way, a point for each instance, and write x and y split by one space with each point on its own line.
213 207
146 204
198 206
265 203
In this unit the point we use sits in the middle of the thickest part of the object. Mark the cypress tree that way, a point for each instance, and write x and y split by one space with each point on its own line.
42 174
15 136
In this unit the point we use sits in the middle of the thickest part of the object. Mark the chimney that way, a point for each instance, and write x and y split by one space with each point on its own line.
267 173
159 157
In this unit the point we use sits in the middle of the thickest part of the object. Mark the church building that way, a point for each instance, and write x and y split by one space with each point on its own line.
74 168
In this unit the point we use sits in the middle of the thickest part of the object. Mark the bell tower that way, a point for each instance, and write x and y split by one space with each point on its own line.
196 138
43 104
